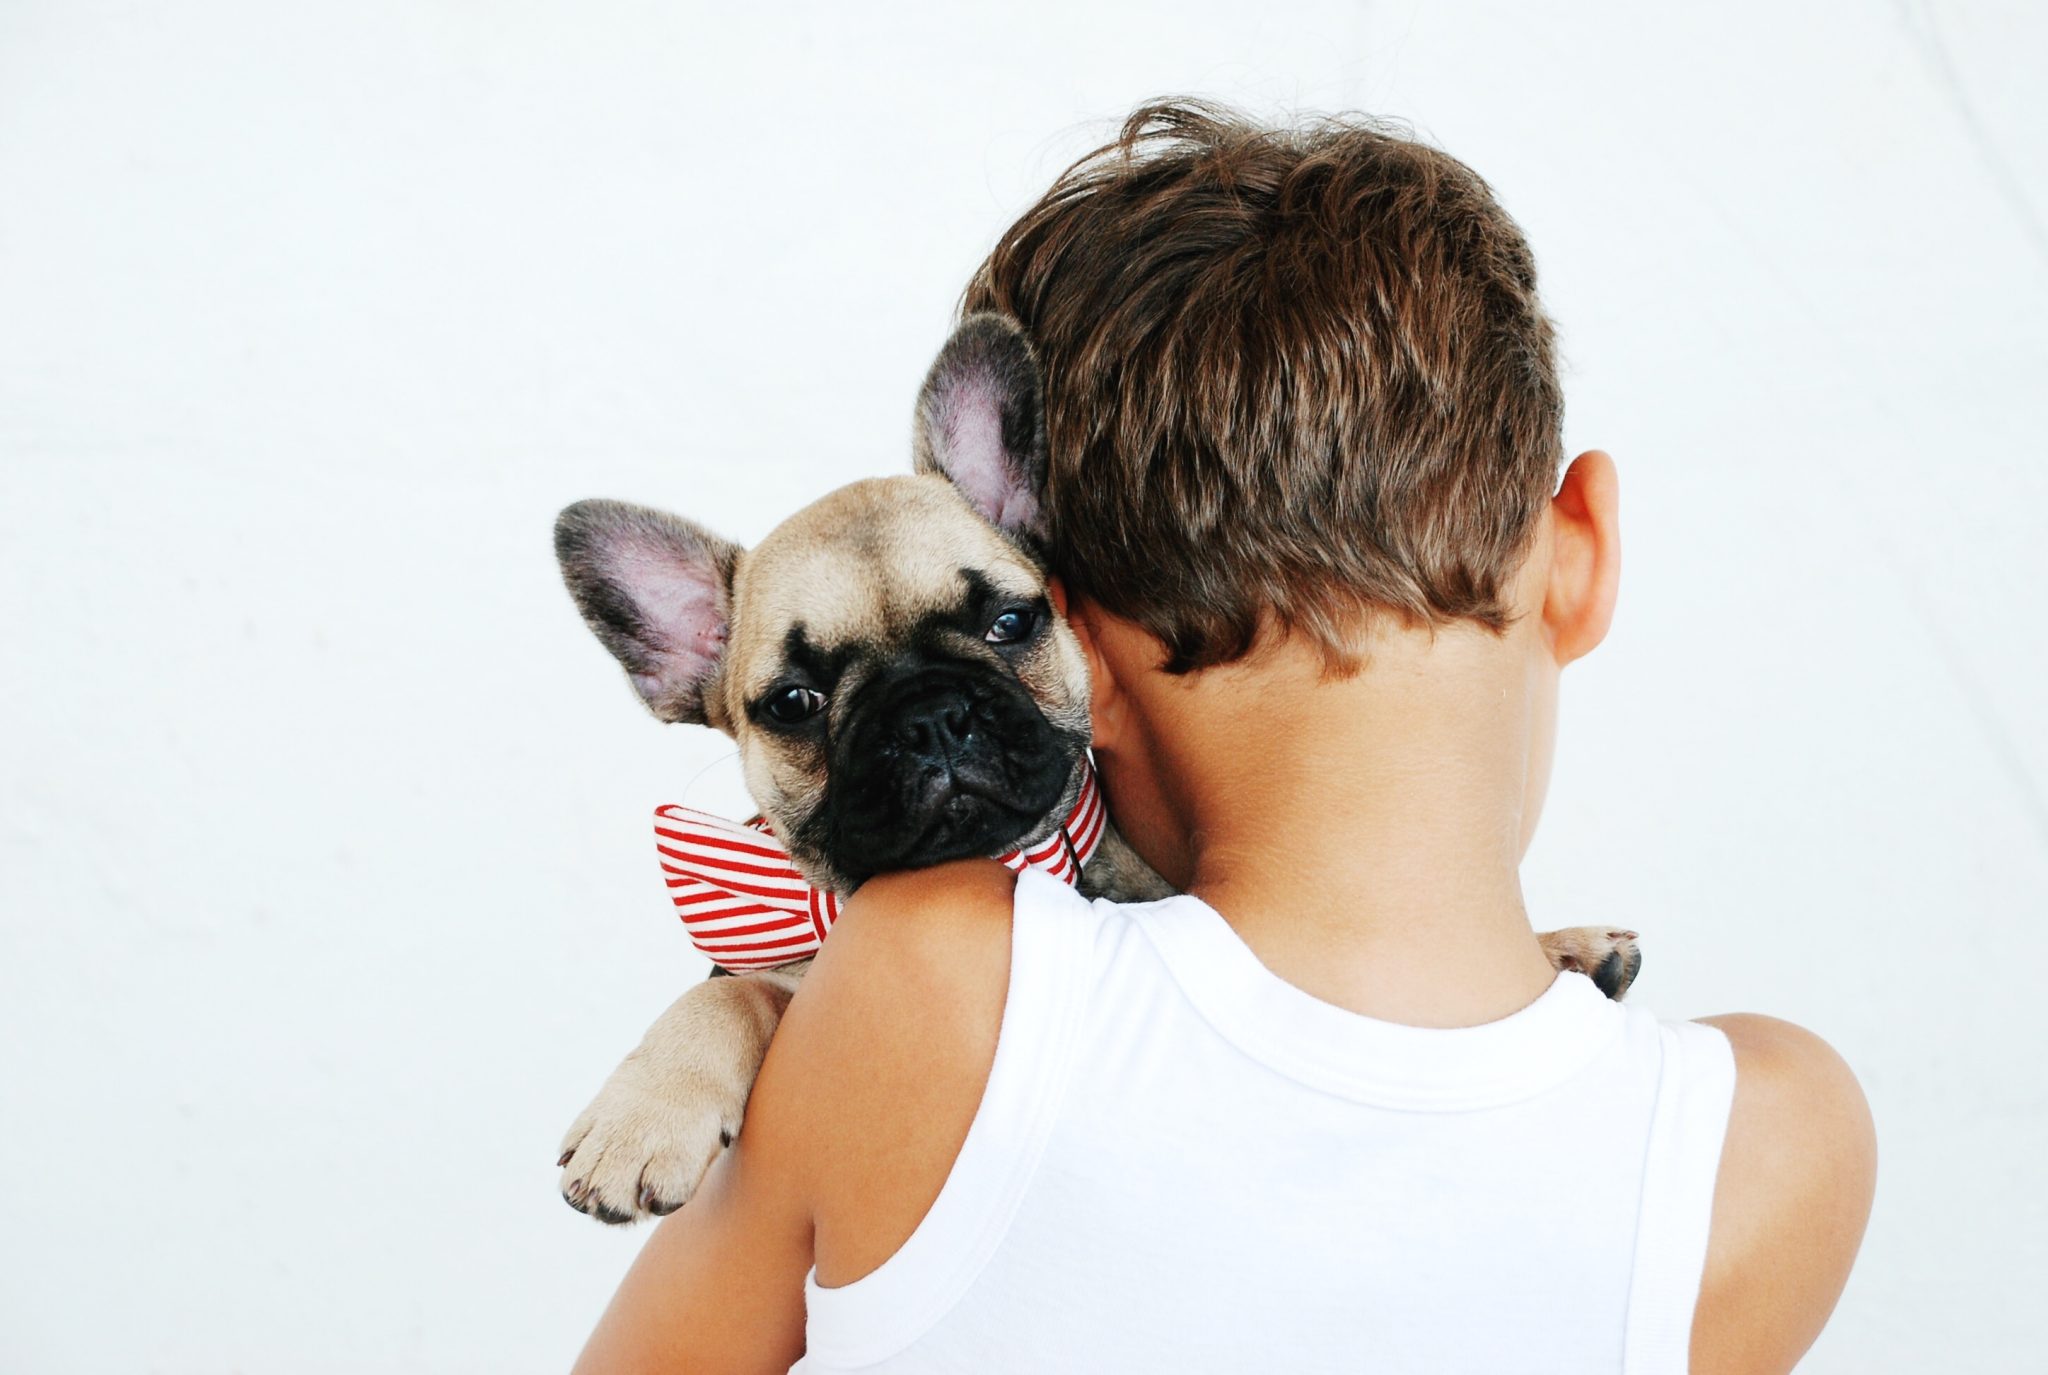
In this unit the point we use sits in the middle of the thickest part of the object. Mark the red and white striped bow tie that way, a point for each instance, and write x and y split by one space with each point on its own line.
747 906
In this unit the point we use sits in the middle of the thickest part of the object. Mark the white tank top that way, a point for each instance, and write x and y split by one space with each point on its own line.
1183 1163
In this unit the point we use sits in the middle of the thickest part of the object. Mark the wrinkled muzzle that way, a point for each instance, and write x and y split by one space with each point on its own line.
936 763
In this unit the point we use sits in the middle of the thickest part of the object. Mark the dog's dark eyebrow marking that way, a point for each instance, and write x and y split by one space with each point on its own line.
983 600
822 667
979 604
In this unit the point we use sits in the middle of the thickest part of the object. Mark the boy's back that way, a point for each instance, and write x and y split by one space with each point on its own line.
1181 1163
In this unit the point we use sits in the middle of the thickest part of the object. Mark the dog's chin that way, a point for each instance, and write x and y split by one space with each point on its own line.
957 821
963 825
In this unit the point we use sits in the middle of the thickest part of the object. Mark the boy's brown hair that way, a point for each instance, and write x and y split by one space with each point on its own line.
1293 376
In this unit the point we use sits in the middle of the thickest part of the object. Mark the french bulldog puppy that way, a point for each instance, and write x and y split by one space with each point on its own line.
902 693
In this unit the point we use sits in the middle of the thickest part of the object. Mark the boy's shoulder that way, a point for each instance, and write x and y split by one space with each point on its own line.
880 1063
1793 1195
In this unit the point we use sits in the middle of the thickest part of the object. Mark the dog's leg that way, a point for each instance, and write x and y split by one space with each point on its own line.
1608 957
1118 874
645 1141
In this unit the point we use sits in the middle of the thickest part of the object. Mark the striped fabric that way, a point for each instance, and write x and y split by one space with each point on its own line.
746 906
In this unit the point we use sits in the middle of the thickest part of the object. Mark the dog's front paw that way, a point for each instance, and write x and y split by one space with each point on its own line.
645 1142
1607 956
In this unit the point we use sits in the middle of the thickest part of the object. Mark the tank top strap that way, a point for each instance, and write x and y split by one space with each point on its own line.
1695 1089
1052 933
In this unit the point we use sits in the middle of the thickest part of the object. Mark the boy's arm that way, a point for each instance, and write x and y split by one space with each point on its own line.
1791 1201
719 1286
865 1097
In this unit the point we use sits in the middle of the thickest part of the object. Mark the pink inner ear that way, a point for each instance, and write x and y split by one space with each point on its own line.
977 462
678 598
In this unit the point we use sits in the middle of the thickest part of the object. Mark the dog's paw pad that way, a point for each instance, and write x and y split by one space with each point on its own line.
1607 955
1619 969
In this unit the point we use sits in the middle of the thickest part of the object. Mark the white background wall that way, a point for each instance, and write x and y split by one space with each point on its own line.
325 889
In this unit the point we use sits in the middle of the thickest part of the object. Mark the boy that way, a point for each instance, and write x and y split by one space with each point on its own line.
1332 1109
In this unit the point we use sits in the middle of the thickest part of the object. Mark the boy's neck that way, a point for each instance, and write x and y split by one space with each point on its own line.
1363 835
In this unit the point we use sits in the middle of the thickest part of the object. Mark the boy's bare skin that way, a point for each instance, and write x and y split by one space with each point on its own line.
1385 827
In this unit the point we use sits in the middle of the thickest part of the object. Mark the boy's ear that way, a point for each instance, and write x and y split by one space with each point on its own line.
655 590
1106 707
981 423
1056 593
1585 556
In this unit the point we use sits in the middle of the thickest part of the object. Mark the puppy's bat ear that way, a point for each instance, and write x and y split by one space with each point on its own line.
655 590
981 423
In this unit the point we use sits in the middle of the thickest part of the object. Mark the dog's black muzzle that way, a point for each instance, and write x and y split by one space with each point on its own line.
940 762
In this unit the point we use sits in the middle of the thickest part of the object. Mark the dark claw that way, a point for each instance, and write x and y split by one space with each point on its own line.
608 1215
724 1137
566 1157
655 1204
579 1197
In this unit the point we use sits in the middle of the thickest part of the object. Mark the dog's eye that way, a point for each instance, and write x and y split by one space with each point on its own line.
793 704
1011 627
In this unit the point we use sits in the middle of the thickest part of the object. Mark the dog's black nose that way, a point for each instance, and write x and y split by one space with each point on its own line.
934 728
